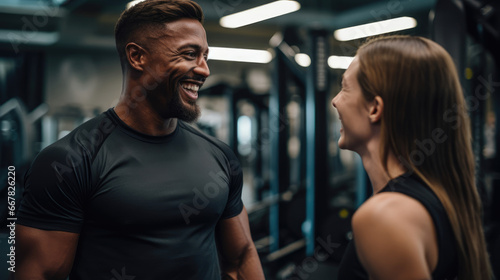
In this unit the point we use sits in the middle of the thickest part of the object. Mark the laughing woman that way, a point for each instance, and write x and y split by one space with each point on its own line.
403 111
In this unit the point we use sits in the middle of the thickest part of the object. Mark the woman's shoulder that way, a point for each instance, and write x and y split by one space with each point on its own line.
390 208
392 236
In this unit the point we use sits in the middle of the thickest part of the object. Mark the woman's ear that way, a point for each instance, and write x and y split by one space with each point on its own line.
376 108
135 56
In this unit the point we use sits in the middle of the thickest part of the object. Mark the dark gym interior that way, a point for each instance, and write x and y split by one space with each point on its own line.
59 68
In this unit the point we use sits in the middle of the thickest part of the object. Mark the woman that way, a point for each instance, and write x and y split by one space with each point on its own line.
403 111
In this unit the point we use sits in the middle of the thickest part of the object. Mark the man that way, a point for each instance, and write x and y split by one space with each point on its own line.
136 193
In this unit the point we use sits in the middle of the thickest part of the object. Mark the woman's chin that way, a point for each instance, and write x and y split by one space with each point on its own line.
342 144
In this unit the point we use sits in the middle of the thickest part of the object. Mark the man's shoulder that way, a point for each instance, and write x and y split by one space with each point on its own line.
84 140
210 140
94 130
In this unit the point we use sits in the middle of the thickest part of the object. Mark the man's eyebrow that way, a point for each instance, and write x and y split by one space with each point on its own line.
191 46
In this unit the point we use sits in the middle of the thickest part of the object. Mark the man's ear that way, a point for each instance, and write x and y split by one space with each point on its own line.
135 56
376 109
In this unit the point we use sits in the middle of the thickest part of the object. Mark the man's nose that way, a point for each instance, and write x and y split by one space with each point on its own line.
202 68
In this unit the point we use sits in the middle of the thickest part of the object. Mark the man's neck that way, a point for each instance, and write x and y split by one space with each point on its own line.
144 119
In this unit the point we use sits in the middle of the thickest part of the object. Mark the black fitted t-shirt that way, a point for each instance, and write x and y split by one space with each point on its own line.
447 266
144 206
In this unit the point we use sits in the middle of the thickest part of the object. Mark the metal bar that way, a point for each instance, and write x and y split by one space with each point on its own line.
278 140
298 74
286 250
316 149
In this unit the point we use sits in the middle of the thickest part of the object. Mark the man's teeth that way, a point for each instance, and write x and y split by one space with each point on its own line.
192 87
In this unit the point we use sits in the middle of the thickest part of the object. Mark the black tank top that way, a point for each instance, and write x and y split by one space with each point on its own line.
447 266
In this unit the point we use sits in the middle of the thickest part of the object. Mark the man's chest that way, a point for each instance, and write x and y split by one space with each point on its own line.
138 190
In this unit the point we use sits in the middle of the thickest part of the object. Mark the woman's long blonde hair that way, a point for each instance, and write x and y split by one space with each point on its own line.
426 125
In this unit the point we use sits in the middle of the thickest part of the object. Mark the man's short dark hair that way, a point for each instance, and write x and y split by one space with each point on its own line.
150 15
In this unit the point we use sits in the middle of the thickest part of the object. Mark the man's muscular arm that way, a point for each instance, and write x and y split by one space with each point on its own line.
43 254
239 258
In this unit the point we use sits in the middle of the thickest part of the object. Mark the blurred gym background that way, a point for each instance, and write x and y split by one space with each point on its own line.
268 97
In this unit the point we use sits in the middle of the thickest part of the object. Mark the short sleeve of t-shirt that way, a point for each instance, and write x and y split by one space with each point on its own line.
234 204
52 199
59 179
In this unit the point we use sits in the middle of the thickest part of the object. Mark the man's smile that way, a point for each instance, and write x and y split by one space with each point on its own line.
190 89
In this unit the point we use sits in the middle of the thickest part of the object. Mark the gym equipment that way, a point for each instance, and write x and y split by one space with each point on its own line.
475 24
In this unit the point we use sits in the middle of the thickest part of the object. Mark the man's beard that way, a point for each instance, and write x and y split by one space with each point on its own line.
177 109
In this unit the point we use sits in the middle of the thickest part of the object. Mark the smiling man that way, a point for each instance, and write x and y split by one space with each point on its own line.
137 192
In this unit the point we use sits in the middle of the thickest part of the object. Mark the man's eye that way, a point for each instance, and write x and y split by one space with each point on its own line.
191 54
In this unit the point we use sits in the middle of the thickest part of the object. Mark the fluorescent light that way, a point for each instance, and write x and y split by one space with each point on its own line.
59 2
259 13
339 62
239 55
375 28
303 59
276 39
133 3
